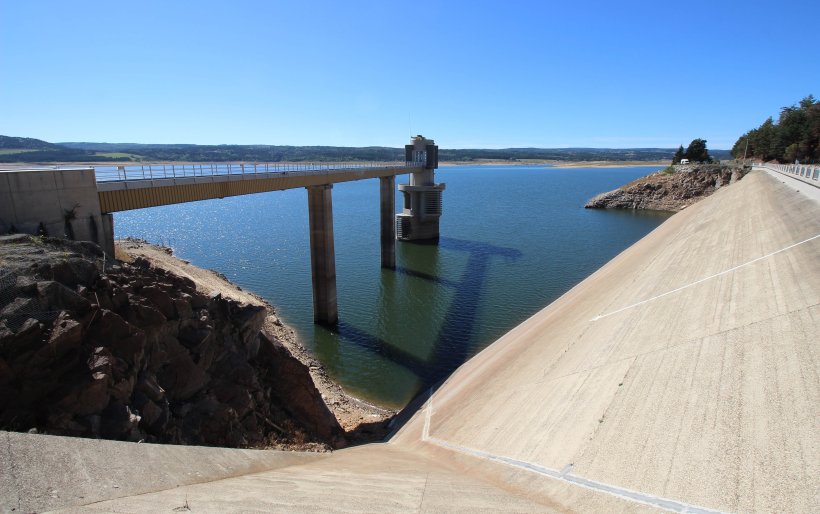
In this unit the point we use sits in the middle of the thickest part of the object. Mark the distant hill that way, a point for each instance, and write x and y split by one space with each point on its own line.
29 150
119 147
25 143
258 153
135 152
274 153
569 154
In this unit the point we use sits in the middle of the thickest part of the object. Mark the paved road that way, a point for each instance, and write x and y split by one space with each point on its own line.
810 189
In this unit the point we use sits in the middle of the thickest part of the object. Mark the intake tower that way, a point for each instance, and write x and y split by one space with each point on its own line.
419 219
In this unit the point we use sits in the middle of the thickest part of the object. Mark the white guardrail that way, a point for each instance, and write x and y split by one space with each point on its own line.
159 171
805 171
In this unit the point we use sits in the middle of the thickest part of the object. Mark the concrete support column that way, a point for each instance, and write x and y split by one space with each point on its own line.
387 205
322 255
106 241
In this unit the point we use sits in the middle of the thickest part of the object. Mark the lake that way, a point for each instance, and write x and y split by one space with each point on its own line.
513 239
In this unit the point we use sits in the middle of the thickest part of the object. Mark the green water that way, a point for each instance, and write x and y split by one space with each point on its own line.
513 239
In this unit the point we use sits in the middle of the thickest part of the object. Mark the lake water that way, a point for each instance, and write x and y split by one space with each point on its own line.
513 239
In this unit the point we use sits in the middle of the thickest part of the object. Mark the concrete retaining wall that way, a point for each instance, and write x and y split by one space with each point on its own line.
32 200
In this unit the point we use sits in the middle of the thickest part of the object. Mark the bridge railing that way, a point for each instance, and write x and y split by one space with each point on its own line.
806 171
175 170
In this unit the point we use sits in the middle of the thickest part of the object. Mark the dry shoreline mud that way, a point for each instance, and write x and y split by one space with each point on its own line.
557 164
360 420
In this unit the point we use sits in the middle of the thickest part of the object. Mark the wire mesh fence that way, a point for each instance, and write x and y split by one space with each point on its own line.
16 308
20 299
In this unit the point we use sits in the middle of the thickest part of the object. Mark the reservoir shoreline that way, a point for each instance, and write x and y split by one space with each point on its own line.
361 420
497 262
557 164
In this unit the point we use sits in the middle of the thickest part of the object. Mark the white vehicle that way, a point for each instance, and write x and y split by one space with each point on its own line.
684 161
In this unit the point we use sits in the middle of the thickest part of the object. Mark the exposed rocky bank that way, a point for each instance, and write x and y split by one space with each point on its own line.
131 351
672 189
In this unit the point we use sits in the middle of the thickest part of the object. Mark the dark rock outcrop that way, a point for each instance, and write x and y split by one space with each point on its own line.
670 190
133 352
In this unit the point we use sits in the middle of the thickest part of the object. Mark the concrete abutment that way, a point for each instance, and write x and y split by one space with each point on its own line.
55 202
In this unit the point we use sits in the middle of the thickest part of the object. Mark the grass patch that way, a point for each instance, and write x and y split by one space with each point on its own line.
122 255
669 170
119 155
12 151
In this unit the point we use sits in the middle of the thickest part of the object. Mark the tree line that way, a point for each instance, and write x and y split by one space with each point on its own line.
41 152
282 153
695 152
58 155
794 137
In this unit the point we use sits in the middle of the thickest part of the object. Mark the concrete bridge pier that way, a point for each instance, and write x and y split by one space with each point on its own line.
387 186
107 239
322 255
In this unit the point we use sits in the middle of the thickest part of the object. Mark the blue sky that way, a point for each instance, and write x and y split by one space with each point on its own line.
477 74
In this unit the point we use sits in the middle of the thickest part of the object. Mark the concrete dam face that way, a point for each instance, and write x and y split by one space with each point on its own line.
680 376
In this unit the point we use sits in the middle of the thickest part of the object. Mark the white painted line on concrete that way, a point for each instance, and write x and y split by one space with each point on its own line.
564 474
620 492
425 434
596 318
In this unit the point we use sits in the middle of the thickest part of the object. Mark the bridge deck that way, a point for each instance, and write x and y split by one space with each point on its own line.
137 187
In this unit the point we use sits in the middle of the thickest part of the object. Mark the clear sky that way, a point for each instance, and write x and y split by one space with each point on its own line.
472 74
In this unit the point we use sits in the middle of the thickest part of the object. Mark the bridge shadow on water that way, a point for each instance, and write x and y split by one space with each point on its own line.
454 342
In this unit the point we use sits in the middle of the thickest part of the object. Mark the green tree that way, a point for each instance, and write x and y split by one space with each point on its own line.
740 149
795 136
697 152
678 155
812 142
792 127
792 153
763 140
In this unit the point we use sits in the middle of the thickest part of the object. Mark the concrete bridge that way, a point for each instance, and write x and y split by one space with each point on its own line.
78 202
